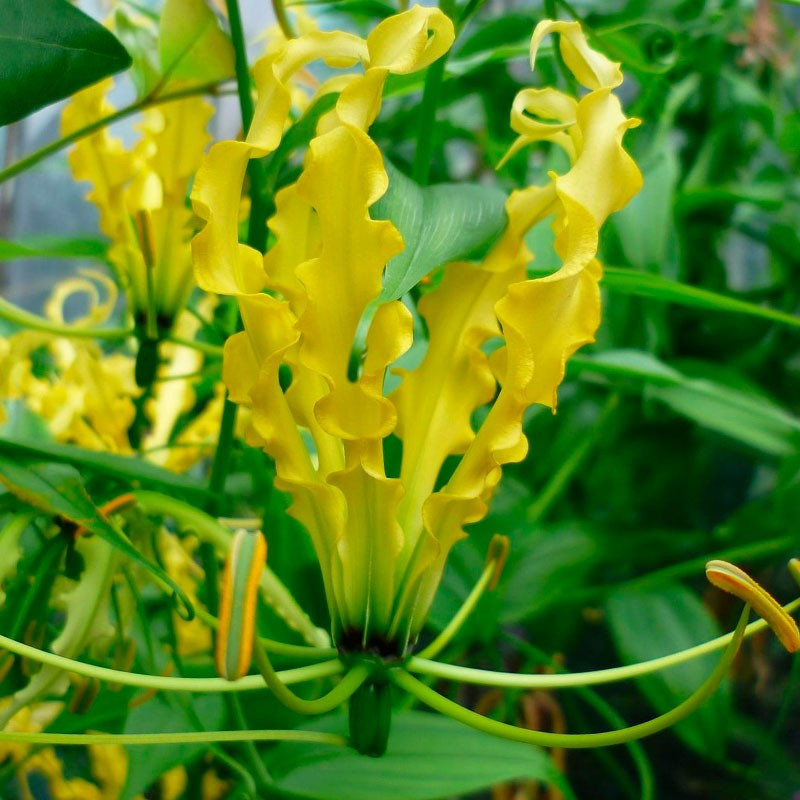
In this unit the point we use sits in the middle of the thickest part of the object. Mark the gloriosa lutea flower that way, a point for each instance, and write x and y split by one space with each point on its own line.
140 194
382 541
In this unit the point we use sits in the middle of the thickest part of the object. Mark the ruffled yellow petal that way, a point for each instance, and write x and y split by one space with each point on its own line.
591 68
151 178
383 542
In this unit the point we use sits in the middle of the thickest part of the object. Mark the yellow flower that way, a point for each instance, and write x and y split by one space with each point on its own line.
382 541
141 192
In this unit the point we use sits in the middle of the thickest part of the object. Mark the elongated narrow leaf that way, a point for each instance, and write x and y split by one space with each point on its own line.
49 50
439 224
108 464
747 416
429 757
649 624
656 287
58 489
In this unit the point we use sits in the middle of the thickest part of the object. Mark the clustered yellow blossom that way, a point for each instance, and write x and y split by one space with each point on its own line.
140 194
382 541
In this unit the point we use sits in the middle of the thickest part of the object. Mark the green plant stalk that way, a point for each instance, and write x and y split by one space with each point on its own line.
187 737
322 705
507 680
160 683
431 95
209 530
256 238
279 648
87 130
251 752
34 322
283 19
443 705
213 350
603 709
460 617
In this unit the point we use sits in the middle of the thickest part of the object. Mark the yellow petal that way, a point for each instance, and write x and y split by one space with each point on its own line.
591 68
410 41
368 546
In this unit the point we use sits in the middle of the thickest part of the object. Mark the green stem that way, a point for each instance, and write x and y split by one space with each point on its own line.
333 699
577 740
206 348
87 130
453 627
34 322
566 471
187 737
279 648
222 457
509 680
256 238
604 710
326 669
431 95
283 19
256 764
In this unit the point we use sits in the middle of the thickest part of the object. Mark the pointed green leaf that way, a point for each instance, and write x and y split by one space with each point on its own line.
744 414
58 489
109 464
192 44
429 757
49 50
139 34
439 224
657 287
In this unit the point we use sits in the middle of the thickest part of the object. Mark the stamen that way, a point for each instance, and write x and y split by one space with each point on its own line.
737 582
245 563
495 560
446 706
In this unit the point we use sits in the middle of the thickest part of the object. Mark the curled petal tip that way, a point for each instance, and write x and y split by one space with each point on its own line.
737 582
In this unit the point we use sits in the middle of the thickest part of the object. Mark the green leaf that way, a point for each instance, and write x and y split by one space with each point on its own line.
745 415
49 50
58 489
429 757
111 465
656 287
652 246
439 224
546 567
139 34
54 247
147 764
648 624
192 44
